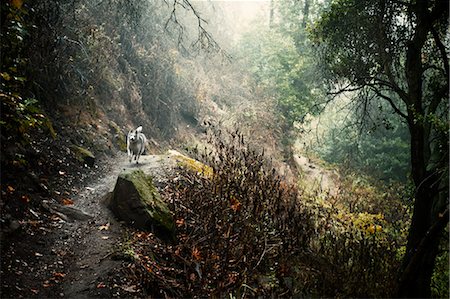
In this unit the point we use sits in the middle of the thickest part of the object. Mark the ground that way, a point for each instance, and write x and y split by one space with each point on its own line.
66 257
71 250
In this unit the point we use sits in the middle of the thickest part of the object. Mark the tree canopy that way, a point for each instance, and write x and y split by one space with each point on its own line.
395 51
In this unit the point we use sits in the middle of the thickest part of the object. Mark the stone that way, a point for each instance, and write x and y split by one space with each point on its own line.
136 201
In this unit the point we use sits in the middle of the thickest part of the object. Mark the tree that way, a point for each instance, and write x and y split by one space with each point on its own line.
395 50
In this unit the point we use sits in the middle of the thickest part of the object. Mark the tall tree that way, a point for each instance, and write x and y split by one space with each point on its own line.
397 51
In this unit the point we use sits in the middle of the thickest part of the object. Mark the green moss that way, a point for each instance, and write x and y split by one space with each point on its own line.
194 165
151 198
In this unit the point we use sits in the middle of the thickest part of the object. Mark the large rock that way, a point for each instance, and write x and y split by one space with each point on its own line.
136 201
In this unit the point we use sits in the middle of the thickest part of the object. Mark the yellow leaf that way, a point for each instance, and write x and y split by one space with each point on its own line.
371 229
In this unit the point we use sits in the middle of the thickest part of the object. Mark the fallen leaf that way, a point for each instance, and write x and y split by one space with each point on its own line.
104 227
25 199
67 201
34 291
101 285
10 189
105 237
61 172
38 254
235 204
180 222
59 274
196 254
130 289
17 3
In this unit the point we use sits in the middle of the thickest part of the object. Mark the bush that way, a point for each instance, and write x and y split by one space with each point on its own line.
237 228
243 232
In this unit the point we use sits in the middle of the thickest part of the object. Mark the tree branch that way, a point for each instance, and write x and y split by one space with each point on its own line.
442 50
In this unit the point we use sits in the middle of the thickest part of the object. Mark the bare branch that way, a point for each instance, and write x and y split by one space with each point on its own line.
391 102
205 40
442 50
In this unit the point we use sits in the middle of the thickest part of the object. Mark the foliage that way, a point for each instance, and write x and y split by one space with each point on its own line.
439 282
242 231
281 62
377 145
394 51
20 110
235 227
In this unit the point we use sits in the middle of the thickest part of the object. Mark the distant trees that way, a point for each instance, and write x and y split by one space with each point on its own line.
396 51
280 58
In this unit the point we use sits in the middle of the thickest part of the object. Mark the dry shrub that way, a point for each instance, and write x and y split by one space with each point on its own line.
242 231
237 228
237 225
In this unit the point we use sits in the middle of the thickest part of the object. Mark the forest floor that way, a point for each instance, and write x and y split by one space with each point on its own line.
72 253
71 256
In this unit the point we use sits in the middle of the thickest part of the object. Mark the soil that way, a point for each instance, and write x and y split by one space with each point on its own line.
50 252
62 256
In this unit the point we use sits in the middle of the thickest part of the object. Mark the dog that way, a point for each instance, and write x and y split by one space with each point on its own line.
136 142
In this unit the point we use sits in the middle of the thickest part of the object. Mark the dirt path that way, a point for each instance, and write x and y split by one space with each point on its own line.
92 243
71 254
315 177
89 243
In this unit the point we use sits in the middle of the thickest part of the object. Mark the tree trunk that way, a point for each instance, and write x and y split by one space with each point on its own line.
426 226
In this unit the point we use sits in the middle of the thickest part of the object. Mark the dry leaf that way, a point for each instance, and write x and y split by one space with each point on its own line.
130 289
180 222
235 204
104 227
34 291
17 3
67 201
105 237
25 199
196 254
10 189
101 285
58 274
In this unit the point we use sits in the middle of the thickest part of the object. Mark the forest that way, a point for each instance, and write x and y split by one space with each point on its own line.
227 149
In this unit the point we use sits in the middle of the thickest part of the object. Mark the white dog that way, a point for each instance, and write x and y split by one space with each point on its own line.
136 142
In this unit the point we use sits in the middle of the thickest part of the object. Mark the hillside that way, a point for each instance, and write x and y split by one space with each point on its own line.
284 162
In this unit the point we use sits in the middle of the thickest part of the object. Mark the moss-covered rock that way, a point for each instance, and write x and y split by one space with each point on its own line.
191 164
83 155
136 201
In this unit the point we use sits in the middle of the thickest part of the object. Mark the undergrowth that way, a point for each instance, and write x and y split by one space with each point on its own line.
243 232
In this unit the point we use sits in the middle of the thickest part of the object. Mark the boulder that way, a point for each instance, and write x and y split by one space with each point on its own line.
136 201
